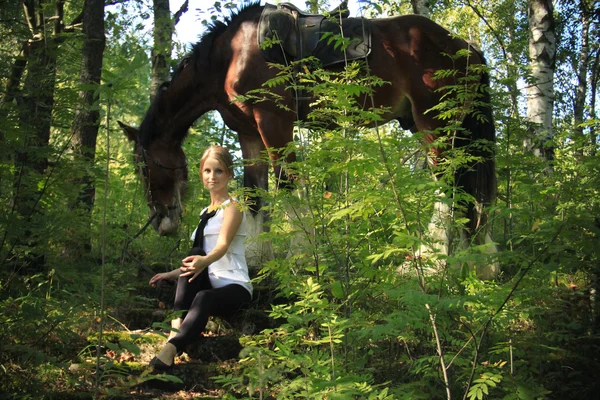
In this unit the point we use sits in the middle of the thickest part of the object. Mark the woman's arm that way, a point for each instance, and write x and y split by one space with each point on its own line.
168 276
232 219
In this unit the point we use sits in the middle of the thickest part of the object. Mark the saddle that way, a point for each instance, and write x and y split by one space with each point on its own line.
286 34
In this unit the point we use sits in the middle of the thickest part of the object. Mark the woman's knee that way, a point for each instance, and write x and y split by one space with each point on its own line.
203 298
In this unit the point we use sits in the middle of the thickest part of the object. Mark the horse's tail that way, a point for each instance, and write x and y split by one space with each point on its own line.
478 179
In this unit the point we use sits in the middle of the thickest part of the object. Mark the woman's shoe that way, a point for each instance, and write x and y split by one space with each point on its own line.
159 365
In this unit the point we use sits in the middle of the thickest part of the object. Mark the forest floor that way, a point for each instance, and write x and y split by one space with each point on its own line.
127 373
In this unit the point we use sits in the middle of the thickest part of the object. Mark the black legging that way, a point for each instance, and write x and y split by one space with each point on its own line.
201 301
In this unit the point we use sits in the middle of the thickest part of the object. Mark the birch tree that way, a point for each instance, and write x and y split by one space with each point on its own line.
585 9
540 90
594 78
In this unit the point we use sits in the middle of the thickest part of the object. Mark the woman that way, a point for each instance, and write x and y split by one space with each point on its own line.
213 279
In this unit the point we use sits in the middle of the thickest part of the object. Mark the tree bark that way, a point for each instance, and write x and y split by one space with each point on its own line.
582 72
164 27
35 115
11 92
163 44
594 78
14 80
511 25
38 88
540 91
421 7
87 118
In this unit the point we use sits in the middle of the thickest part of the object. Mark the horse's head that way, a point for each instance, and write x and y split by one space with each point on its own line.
163 166
191 92
163 171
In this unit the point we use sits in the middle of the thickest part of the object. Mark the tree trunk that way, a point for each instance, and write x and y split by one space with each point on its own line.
163 44
421 7
86 121
35 115
14 80
595 273
164 26
594 78
512 75
87 118
540 91
38 101
580 94
12 89
38 88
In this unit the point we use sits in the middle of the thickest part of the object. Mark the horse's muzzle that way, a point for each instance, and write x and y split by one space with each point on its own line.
167 221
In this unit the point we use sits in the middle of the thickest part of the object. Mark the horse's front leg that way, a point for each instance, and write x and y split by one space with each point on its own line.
255 169
276 130
256 178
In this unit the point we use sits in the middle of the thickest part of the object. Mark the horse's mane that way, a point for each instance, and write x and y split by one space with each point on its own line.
199 55
201 50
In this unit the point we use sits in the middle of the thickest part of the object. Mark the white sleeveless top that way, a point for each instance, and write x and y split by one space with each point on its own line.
232 267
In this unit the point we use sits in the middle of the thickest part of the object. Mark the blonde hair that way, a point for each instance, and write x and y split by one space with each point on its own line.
221 154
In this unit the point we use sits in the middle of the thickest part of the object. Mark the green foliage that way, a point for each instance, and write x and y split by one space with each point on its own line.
360 312
355 233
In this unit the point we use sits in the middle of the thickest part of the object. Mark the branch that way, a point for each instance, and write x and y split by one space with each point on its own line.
440 352
43 336
28 9
78 20
183 9
72 28
476 11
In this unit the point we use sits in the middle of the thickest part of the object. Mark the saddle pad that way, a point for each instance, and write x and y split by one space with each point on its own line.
282 38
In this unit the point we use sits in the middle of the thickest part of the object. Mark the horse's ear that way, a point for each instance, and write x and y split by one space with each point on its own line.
133 134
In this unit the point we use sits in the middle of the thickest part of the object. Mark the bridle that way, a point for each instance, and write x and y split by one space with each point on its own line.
146 173
158 163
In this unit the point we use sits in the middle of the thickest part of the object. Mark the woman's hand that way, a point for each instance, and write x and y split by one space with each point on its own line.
155 280
170 276
193 266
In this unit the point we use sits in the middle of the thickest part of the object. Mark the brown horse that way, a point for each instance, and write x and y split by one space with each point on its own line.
227 62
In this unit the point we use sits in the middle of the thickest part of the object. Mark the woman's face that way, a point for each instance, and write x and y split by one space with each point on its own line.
215 175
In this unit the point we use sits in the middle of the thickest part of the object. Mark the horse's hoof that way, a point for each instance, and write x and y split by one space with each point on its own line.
158 365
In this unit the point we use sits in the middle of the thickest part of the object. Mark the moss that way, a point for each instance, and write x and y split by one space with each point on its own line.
126 337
